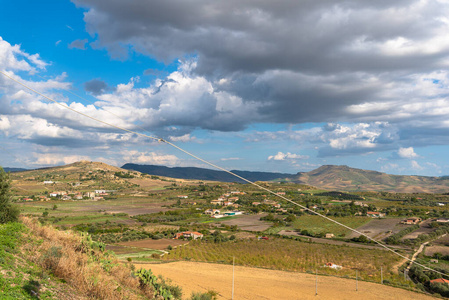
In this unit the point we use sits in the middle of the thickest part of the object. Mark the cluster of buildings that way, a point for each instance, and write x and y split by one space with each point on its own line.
68 195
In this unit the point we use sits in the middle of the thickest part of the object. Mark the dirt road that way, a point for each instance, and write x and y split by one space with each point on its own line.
253 283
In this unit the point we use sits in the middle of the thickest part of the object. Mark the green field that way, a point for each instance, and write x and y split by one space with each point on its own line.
317 224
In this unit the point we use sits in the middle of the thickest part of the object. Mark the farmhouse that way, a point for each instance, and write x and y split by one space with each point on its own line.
217 202
375 214
329 235
212 211
439 280
189 234
183 196
411 221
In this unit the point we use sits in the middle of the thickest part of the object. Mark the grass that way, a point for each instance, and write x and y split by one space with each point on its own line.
20 279
317 224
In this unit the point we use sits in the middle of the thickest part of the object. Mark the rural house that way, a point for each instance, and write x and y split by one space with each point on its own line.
375 214
189 235
439 280
212 212
411 221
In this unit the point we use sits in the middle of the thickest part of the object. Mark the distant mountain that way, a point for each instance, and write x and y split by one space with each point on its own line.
14 169
351 179
329 177
204 174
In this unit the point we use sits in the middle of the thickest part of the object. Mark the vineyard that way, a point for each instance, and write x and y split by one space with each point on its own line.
290 255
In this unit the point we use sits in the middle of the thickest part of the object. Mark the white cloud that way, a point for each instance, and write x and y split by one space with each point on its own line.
415 165
286 156
183 138
407 153
134 156
230 158
49 159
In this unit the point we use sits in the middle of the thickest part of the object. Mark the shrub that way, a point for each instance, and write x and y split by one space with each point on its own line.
8 211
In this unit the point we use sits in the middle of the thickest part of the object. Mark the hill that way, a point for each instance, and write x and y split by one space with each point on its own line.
204 174
83 176
327 177
330 177
351 179
14 170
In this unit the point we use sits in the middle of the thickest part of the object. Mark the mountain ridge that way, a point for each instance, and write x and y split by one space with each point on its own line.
335 177
329 177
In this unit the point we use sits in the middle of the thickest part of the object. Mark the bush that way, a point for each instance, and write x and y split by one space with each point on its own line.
8 211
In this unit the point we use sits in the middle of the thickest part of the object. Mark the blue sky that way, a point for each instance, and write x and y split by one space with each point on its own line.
263 86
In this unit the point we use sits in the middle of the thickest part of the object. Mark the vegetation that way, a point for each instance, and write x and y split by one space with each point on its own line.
8 211
285 254
312 225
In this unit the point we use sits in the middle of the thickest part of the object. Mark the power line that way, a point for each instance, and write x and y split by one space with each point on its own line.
224 170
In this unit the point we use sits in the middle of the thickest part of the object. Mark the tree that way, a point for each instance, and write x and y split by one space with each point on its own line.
8 211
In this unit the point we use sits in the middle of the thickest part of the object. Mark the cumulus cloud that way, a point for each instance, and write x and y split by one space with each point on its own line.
290 62
154 158
286 156
416 165
51 159
182 99
407 153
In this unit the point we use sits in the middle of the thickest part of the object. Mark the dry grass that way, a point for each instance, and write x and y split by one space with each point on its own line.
67 256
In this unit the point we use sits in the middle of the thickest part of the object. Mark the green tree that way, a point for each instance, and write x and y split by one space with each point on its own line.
8 211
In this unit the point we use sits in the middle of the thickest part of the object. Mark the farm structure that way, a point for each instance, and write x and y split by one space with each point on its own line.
189 234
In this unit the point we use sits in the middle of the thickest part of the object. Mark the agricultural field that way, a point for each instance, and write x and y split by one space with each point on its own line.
248 222
317 225
291 255
255 283
424 228
379 229
440 245
161 244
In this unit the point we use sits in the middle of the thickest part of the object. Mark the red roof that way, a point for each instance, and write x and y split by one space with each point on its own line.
439 280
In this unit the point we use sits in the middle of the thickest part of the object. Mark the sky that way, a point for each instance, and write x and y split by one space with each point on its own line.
276 86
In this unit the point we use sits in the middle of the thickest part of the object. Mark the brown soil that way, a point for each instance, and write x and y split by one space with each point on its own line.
378 228
253 283
154 244
249 222
423 228
430 251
